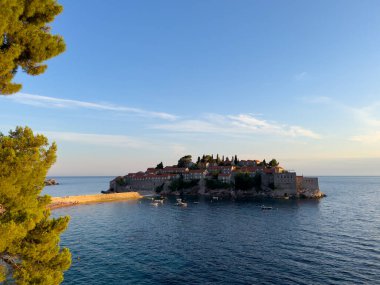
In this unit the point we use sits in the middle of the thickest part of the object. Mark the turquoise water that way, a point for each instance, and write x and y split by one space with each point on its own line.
332 241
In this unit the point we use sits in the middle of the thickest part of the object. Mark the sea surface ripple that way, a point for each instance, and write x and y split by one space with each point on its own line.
332 241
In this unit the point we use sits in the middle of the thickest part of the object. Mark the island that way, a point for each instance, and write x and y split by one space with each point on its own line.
219 177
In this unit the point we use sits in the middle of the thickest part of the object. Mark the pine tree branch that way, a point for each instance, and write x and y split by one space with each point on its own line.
2 209
10 260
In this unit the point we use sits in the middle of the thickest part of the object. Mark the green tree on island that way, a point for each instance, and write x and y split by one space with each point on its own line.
29 237
160 166
185 161
26 41
273 163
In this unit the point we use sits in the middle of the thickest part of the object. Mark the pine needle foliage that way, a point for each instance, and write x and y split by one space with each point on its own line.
29 237
25 39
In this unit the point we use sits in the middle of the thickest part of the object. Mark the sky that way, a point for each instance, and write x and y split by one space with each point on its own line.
149 81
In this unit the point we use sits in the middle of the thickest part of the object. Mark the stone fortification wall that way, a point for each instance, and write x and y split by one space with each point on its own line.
308 187
266 180
307 183
285 184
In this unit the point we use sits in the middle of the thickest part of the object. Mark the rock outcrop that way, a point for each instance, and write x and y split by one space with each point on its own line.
51 182
311 194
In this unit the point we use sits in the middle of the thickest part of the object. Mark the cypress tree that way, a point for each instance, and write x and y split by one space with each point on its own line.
25 39
29 237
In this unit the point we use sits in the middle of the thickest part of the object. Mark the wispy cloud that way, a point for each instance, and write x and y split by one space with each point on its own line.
115 141
368 138
300 76
318 100
98 139
51 102
236 124
367 116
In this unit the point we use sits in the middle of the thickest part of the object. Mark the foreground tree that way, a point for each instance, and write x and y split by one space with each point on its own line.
29 237
25 39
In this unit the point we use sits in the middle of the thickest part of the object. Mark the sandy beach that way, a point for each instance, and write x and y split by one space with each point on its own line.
59 202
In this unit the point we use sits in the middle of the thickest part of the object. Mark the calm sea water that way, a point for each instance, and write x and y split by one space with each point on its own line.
332 241
74 185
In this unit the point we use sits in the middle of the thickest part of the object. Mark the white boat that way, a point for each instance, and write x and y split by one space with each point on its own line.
158 201
154 204
266 208
181 203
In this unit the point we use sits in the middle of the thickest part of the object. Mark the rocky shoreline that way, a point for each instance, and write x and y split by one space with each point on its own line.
244 194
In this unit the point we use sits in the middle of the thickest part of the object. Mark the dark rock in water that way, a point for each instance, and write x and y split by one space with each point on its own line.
110 191
51 182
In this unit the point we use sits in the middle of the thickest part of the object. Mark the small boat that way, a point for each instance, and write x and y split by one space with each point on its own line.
158 201
286 198
154 204
180 202
215 198
266 208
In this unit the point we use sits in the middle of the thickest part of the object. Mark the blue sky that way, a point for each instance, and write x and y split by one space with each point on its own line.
149 81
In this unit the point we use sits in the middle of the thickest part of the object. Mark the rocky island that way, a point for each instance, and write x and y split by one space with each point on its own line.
220 177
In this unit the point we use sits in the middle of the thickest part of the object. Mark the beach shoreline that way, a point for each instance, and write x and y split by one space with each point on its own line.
68 201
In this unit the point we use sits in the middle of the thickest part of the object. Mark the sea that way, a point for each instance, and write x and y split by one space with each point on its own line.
335 240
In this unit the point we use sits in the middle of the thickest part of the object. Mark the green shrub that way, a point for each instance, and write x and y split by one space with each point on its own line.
179 184
216 184
121 181
243 181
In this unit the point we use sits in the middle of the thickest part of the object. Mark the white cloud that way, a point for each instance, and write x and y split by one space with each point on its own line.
300 76
236 124
51 102
98 139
